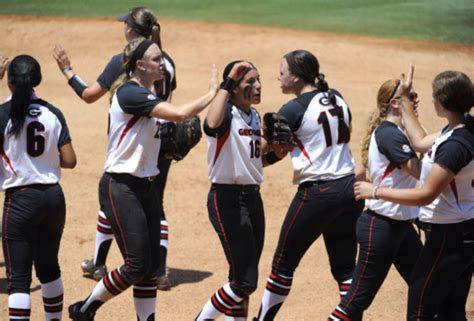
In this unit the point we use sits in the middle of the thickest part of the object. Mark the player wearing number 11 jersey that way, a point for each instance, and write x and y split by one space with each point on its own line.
323 169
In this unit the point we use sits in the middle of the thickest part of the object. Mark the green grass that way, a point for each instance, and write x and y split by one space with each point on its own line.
436 20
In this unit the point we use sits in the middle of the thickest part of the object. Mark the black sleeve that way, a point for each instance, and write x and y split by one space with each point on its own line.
453 155
4 116
219 131
293 113
136 100
111 72
393 144
64 136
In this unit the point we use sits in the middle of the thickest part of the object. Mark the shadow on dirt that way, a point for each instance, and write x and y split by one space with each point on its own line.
181 276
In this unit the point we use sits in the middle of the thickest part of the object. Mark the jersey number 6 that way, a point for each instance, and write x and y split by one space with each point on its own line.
34 140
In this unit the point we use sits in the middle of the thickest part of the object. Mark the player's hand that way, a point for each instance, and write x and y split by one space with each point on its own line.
61 58
406 82
363 190
213 83
3 65
239 70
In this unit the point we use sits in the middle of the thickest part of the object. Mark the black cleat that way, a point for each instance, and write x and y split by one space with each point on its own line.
76 314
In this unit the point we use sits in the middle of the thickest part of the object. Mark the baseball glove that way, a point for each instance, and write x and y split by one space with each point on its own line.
276 129
177 139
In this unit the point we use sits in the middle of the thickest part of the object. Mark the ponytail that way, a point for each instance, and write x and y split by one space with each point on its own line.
24 73
344 131
469 122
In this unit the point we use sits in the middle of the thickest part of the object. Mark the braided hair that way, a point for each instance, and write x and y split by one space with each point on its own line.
24 73
384 96
304 65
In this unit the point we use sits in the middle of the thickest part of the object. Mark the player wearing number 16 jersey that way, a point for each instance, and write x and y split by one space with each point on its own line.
323 169
235 161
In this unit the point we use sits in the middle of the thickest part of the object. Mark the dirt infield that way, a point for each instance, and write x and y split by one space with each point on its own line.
356 66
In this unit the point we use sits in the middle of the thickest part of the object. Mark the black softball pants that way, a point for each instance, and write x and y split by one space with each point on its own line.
130 204
320 207
382 242
448 254
236 213
33 223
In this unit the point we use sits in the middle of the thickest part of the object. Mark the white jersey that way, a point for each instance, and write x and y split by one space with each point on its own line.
320 155
33 156
389 148
234 149
453 150
133 141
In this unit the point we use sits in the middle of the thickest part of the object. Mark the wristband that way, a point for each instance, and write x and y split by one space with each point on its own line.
228 84
66 69
272 158
77 84
374 192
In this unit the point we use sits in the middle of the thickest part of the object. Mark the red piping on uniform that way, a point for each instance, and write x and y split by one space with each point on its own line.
220 143
7 160
390 168
303 150
362 273
118 222
223 232
5 235
127 128
289 228
454 188
428 278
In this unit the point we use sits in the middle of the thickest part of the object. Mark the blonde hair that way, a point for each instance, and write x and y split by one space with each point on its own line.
384 96
127 55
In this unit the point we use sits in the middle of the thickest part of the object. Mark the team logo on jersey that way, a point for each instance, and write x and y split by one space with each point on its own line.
34 112
406 148
151 97
324 101
249 132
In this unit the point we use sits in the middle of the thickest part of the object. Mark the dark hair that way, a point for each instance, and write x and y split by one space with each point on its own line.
455 91
143 21
304 65
24 73
230 65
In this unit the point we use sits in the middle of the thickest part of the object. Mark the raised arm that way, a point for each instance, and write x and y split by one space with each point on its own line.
89 94
419 139
168 111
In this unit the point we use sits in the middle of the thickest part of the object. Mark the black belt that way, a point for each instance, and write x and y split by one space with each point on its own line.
132 178
243 189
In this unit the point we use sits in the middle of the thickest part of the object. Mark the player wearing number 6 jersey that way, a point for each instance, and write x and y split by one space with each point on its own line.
235 153
323 169
34 145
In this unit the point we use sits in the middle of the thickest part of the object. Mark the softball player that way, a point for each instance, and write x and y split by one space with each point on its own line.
139 22
34 145
385 232
126 192
235 153
324 171
446 194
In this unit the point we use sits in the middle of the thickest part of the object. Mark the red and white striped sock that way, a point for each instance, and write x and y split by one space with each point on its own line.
344 288
277 289
110 286
19 306
52 299
224 299
144 299
339 315
238 312
103 239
